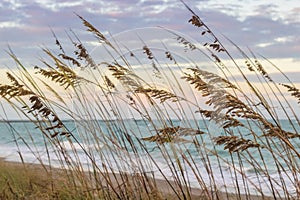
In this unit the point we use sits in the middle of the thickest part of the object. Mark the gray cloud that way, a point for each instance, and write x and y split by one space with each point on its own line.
276 77
27 25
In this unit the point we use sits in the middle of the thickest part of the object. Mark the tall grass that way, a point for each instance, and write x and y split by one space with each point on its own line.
135 109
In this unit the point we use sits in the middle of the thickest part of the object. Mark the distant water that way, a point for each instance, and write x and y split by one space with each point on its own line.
23 138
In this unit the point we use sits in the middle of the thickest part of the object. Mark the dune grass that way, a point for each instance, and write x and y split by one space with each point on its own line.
30 181
200 122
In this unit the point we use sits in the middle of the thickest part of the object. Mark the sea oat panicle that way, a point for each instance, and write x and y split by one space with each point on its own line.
236 144
295 92
95 31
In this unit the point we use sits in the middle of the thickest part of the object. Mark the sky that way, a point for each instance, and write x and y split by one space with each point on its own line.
270 27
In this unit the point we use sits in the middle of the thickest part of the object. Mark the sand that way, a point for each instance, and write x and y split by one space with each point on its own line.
163 186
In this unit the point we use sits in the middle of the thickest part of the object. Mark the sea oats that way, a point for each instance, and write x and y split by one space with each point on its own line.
295 92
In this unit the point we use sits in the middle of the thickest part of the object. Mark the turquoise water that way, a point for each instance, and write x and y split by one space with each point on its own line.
124 150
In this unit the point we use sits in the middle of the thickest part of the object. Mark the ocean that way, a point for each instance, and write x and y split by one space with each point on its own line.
126 151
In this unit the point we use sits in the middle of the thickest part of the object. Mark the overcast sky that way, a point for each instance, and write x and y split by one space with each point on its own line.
271 27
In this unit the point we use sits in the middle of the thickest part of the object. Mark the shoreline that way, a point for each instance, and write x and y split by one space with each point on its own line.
164 187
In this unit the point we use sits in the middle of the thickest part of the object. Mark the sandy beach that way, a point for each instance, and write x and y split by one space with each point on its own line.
45 173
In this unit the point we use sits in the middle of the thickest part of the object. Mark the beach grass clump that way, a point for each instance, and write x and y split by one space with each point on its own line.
148 123
29 181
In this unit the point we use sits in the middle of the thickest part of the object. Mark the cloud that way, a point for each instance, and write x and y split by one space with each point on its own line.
276 76
10 24
262 27
294 15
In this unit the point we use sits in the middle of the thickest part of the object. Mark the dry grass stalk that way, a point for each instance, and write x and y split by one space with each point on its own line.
95 31
162 95
15 89
221 94
170 57
10 91
261 69
82 54
39 108
273 131
186 43
226 121
73 60
109 83
66 78
222 100
295 92
235 144
148 52
172 134
126 76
